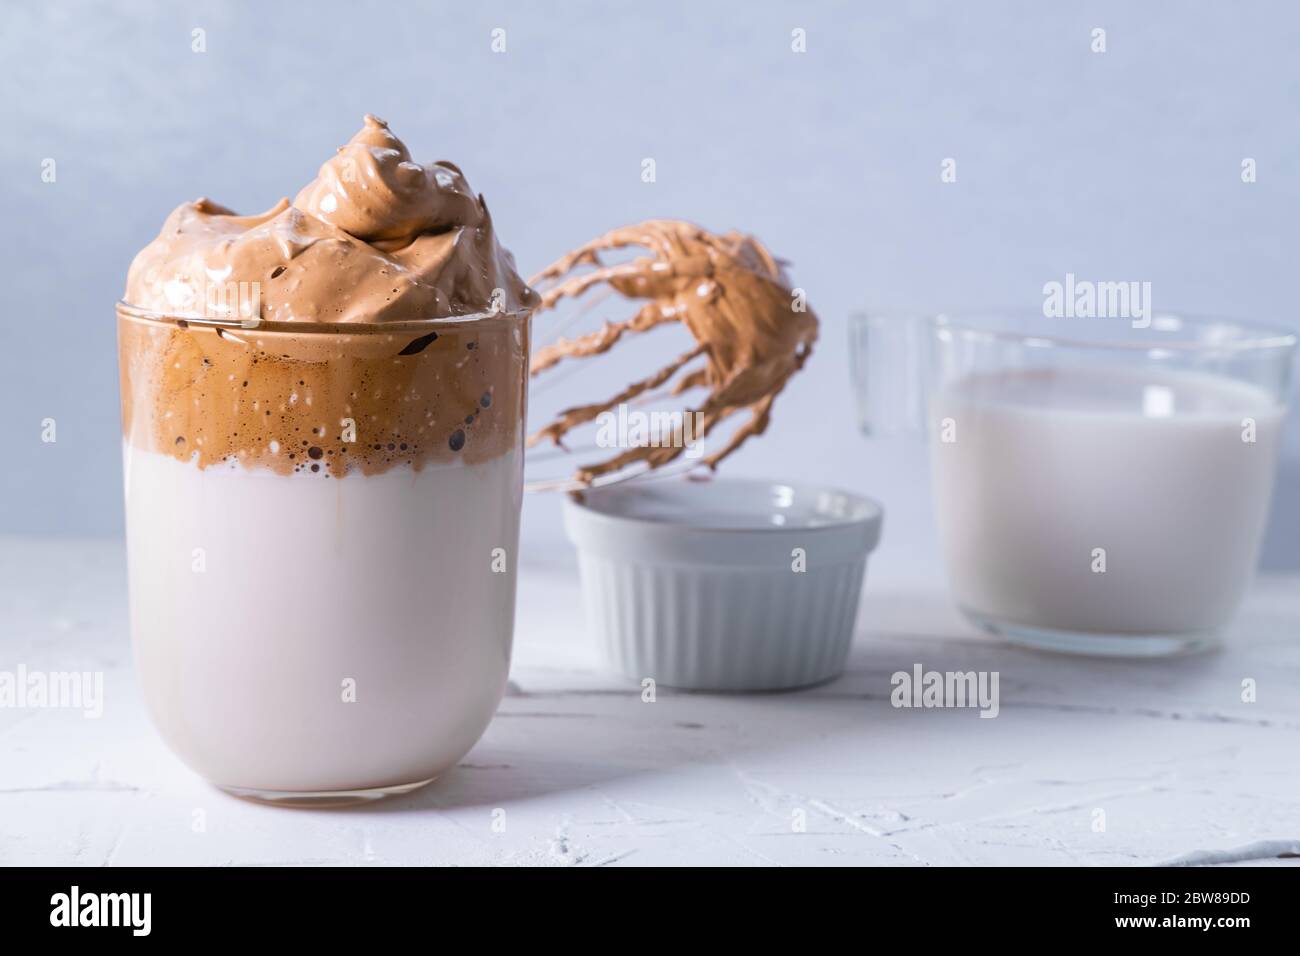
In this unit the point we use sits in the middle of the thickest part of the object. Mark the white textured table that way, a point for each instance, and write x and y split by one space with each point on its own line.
581 771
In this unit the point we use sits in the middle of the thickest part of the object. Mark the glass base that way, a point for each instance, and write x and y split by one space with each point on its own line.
1095 644
323 799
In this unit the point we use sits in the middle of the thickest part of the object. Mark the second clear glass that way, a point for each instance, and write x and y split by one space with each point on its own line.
1099 488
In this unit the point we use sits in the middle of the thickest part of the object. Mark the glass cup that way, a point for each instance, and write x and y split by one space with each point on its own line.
1099 487
322 523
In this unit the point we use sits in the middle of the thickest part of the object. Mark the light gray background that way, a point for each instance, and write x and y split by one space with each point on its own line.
1122 165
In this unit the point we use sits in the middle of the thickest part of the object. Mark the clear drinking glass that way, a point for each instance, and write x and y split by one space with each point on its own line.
322 524
1099 487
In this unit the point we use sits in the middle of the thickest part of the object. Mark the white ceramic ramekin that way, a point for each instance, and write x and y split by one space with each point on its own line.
724 584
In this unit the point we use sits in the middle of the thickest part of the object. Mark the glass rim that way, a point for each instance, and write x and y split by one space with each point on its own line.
298 327
1254 336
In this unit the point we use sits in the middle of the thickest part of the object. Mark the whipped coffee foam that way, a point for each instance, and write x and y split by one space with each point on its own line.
375 237
411 346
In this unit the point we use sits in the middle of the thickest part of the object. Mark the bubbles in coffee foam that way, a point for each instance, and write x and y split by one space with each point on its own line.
416 403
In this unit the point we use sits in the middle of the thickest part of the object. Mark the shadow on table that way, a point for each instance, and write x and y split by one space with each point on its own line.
563 741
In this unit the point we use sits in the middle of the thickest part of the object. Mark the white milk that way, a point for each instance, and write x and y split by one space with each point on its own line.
256 598
1151 466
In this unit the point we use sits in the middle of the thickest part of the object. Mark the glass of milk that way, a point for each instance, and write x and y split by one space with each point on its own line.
1101 486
